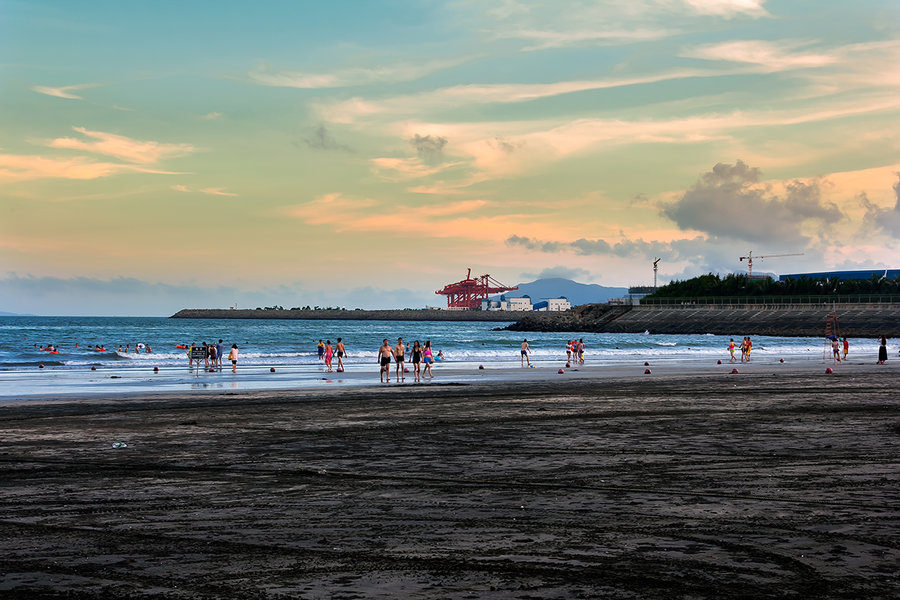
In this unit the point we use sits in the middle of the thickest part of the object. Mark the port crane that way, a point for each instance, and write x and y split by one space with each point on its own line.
468 293
749 259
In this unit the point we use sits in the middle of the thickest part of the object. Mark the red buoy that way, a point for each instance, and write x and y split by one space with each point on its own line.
828 370
272 370
646 371
40 366
156 369
718 362
734 371
646 364
561 371
93 368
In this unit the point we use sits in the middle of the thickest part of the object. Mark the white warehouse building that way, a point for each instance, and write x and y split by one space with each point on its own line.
524 304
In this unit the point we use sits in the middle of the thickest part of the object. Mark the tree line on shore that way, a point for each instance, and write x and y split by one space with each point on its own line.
741 285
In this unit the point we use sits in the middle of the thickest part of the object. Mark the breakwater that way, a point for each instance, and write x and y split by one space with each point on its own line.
855 320
349 315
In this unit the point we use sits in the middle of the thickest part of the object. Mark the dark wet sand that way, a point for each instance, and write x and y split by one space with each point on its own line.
750 486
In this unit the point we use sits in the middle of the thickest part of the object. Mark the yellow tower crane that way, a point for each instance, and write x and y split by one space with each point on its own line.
749 259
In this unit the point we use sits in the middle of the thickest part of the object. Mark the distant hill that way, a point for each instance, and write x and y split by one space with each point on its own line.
576 293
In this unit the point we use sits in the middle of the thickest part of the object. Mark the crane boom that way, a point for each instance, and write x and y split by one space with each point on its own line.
749 259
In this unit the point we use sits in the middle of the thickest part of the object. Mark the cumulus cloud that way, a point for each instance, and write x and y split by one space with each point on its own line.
729 202
884 219
121 147
430 148
561 272
597 247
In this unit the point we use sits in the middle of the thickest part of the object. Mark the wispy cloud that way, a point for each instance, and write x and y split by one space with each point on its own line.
395 73
771 56
15 168
467 219
729 8
124 148
543 39
212 116
212 191
354 109
63 91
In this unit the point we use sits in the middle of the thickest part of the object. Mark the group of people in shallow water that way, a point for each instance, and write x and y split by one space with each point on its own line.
418 355
211 354
746 347
54 348
327 353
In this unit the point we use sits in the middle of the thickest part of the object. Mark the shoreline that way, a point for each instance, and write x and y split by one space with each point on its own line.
704 485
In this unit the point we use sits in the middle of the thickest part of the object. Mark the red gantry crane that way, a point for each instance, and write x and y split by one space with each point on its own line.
468 293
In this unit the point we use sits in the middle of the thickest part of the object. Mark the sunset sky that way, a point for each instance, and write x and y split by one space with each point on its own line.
161 155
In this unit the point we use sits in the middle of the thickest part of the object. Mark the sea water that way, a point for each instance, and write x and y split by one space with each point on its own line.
290 347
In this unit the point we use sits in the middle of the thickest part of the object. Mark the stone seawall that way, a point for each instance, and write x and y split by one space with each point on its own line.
872 320
349 315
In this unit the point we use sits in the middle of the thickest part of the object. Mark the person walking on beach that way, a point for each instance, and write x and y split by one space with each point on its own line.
341 352
846 348
329 352
882 351
232 356
524 353
749 347
399 359
835 350
384 359
731 349
321 350
428 358
569 345
580 351
744 357
416 357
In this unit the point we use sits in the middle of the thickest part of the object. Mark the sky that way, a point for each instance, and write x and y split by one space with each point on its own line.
169 154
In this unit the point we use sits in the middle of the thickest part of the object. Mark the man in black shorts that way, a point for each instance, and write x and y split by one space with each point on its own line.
384 357
399 358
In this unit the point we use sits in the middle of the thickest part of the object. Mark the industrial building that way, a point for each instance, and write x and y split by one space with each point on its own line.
524 304
864 274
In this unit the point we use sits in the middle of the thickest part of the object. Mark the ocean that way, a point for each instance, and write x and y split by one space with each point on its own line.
290 347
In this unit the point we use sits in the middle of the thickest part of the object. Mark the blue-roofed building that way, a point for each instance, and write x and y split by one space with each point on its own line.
844 275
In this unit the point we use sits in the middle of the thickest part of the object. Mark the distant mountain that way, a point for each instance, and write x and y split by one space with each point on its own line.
9 314
574 292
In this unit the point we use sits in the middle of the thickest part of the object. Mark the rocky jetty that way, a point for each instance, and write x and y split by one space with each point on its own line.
855 320
349 315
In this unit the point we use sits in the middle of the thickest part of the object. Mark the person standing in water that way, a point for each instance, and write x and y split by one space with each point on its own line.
233 358
341 352
384 359
524 353
399 359
329 352
428 358
416 357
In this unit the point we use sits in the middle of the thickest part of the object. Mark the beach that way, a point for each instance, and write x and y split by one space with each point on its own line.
779 481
